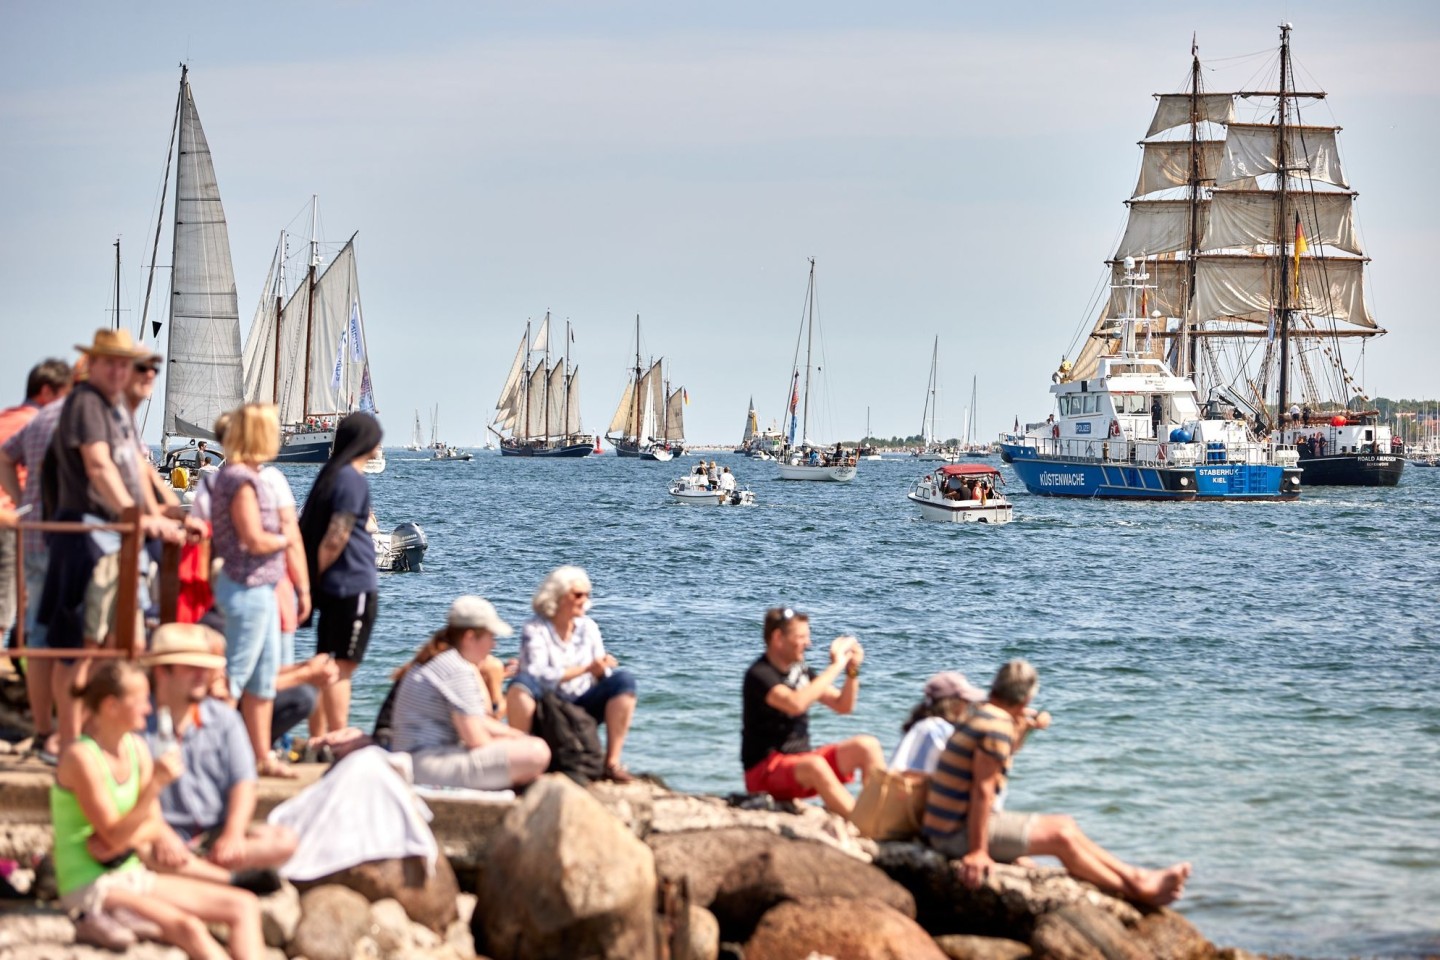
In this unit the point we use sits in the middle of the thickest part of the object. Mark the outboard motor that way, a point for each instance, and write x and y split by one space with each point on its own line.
408 546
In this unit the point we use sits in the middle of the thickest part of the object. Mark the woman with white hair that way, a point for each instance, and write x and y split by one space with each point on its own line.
561 651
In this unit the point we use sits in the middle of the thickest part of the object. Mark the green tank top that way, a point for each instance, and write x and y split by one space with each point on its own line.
74 867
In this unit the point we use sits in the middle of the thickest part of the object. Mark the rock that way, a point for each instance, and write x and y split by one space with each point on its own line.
703 857
458 938
424 938
332 919
1083 931
794 870
959 946
35 925
1006 905
280 915
844 929
428 900
702 940
1166 935
365 949
274 953
564 878
390 926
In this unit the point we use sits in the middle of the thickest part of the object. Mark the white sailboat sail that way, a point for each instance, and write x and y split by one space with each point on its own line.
204 376
623 421
338 335
534 413
555 398
572 405
260 343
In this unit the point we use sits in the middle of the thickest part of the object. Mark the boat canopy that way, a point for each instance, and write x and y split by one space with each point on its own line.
968 470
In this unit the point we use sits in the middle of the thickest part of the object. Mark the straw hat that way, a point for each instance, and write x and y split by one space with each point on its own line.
114 343
185 645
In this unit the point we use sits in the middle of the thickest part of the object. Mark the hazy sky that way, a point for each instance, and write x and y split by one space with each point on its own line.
956 169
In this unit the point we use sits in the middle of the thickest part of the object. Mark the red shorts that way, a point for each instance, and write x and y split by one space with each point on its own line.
775 774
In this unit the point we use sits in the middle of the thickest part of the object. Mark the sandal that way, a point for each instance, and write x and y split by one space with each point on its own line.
617 773
273 766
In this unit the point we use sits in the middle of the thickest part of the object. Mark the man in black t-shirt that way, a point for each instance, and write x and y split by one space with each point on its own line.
775 737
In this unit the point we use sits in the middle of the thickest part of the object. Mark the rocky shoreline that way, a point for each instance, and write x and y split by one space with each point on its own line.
638 872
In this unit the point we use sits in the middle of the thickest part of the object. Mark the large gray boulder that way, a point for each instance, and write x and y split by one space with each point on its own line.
562 878
428 897
842 929
332 921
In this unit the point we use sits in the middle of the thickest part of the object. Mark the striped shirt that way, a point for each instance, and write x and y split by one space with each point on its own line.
922 745
429 695
988 729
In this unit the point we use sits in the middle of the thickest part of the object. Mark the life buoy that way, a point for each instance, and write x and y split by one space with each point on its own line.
1162 452
1055 431
1114 428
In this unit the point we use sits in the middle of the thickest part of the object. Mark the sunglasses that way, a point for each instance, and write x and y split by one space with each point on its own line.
143 368
580 594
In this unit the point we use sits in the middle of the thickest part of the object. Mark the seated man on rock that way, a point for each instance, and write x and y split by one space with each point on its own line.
963 819
778 692
209 810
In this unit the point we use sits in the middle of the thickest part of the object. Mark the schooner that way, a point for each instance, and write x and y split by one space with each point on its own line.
1246 228
538 413
306 350
649 423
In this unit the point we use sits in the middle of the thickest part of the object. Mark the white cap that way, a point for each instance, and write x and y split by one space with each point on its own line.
477 613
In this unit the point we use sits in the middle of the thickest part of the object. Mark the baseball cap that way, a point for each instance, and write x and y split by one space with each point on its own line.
952 683
477 613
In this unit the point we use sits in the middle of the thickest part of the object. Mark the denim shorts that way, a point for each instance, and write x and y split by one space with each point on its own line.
593 701
252 636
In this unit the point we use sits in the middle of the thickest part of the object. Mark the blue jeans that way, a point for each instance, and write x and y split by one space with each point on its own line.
252 636
594 700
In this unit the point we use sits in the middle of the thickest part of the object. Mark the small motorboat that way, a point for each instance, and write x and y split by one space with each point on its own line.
402 550
694 488
962 493
443 451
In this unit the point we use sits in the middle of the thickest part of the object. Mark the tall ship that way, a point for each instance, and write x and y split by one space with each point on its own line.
1245 222
538 413
203 374
649 423
806 460
306 350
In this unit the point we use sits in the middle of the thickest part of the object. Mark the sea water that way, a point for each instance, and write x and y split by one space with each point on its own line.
1250 687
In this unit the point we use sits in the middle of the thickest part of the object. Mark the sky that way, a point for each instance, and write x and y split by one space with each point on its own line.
957 170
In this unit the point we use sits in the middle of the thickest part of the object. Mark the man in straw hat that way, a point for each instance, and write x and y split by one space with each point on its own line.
209 810
93 468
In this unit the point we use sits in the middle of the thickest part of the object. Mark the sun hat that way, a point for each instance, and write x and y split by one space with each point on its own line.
952 684
114 343
477 613
184 645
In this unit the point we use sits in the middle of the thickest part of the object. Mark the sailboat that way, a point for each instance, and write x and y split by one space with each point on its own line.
931 448
866 450
649 423
417 442
439 449
306 349
538 413
972 447
759 444
203 374
804 461
1247 230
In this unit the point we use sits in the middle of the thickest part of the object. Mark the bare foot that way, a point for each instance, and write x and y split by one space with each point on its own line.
1160 887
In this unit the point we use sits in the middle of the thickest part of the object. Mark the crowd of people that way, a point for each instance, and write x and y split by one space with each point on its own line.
157 758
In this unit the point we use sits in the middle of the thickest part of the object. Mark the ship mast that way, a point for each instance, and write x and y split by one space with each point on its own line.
809 343
635 423
310 302
1185 355
117 286
1282 175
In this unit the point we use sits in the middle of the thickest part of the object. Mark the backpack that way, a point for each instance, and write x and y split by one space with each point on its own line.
573 738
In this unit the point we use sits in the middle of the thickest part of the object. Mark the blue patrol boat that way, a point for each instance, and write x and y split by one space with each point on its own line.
1134 430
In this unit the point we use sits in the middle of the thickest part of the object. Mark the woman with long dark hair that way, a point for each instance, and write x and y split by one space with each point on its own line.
341 555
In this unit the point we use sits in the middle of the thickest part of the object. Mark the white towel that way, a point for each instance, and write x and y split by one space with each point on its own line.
361 810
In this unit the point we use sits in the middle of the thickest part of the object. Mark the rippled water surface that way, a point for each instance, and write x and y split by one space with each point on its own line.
1252 687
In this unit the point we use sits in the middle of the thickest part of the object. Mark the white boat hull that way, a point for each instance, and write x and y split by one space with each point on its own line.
995 510
699 497
842 473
